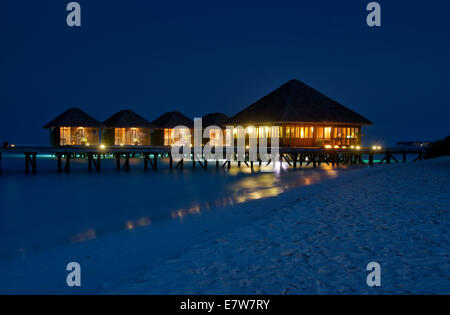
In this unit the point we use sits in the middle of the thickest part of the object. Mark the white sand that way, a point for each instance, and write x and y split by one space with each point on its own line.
396 215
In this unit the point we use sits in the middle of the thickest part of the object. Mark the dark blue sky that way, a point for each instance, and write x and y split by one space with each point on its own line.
208 56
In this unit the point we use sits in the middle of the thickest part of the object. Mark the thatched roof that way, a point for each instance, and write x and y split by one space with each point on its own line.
297 102
173 119
215 119
74 117
127 119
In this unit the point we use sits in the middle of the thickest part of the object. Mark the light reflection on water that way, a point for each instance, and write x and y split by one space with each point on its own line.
129 201
257 187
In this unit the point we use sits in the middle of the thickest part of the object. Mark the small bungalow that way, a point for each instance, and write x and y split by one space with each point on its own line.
73 128
306 118
165 124
215 119
127 128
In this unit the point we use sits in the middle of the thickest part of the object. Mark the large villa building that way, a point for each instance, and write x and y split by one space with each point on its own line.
305 117
296 113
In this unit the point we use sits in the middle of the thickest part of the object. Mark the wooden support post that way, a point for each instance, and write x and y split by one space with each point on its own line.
34 163
388 157
98 165
404 157
126 166
421 156
170 160
194 164
118 161
90 162
67 166
370 158
155 161
295 159
217 163
394 158
314 157
27 162
146 156
30 159
59 157
180 164
206 164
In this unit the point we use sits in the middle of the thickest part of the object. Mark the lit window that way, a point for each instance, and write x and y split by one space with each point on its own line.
320 133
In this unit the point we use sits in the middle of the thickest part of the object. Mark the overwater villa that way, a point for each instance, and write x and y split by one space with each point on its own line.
297 114
127 128
218 120
74 127
306 118
165 124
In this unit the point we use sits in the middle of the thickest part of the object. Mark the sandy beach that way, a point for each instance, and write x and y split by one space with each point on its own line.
396 215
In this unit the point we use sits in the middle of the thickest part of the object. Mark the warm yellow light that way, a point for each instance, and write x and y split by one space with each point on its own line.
13 145
121 144
358 148
374 147
247 147
328 146
87 144
352 147
344 147
102 146
336 147
379 148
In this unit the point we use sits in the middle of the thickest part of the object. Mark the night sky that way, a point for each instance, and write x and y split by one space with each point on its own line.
220 56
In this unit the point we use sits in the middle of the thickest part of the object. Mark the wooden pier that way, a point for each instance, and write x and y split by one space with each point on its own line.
294 157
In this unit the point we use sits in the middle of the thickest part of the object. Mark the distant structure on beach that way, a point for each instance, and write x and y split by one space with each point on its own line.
127 128
306 117
414 144
296 113
74 127
165 124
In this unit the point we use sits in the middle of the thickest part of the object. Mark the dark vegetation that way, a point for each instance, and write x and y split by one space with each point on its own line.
438 148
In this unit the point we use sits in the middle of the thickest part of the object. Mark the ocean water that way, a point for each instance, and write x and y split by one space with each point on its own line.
145 215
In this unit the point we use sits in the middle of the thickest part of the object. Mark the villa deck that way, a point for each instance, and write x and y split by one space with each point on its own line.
294 157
